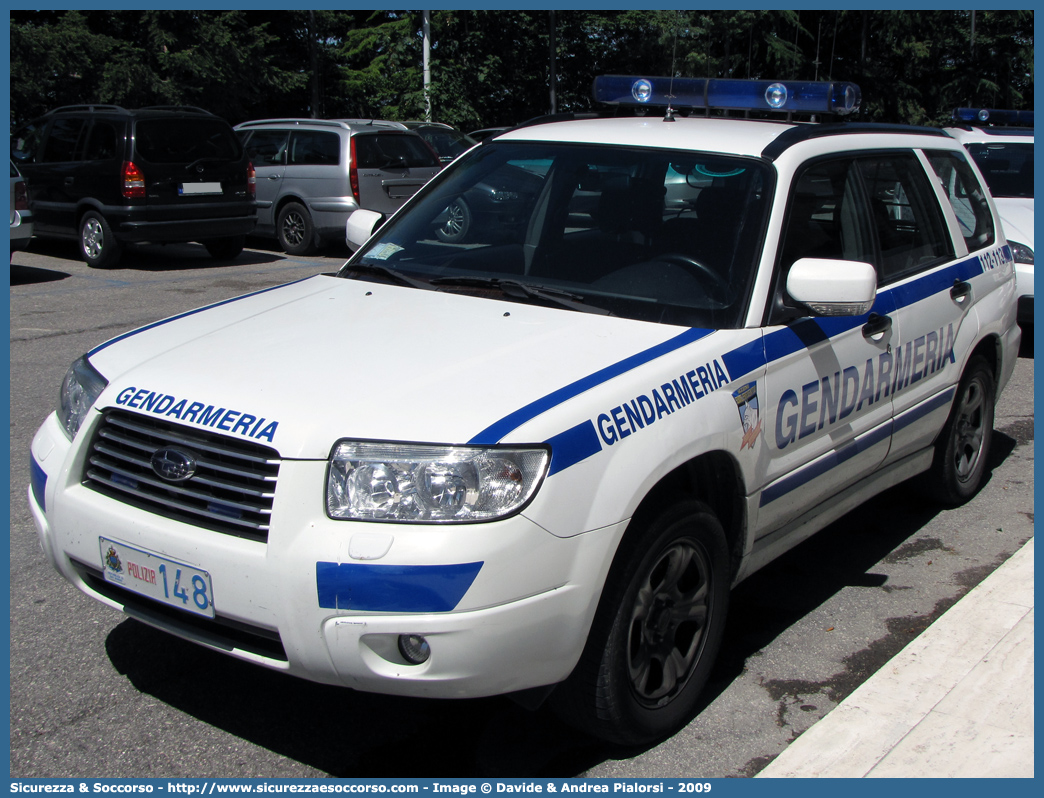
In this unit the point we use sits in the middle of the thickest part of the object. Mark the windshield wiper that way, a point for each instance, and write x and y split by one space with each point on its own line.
386 271
519 290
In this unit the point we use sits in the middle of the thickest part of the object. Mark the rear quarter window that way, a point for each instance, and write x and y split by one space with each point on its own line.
314 148
381 151
184 140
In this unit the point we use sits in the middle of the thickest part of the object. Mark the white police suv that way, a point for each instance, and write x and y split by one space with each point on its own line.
535 462
1001 144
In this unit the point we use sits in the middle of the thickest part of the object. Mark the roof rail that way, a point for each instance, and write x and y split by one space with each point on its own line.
90 108
794 135
375 123
338 123
192 109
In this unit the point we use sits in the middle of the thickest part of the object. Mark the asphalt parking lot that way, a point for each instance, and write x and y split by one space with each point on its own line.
96 694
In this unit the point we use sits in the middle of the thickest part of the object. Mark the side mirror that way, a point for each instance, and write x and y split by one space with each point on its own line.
360 226
833 287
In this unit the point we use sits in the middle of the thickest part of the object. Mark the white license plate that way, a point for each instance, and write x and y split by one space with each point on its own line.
199 188
167 581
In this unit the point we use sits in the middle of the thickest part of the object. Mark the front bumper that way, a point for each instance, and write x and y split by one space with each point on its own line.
309 601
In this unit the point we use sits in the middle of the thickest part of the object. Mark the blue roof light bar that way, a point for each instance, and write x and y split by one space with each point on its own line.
804 97
993 116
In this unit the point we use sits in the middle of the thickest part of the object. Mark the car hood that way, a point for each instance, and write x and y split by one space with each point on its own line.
1017 218
304 365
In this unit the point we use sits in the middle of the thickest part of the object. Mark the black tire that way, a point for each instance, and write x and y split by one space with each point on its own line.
457 225
295 229
963 447
225 248
657 631
98 246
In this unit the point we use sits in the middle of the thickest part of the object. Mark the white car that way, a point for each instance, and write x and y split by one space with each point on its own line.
1001 143
537 462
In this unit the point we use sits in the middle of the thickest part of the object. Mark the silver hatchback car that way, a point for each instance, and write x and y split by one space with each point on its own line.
312 174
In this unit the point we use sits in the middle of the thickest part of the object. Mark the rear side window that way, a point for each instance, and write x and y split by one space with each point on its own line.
186 140
392 150
966 197
61 141
266 146
101 142
314 148
911 231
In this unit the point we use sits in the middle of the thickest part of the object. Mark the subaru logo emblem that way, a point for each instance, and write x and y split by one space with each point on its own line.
174 465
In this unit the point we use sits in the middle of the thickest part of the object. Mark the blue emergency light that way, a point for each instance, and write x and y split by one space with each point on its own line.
786 96
993 116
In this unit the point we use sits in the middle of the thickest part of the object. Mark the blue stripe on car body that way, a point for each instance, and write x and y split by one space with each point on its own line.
393 588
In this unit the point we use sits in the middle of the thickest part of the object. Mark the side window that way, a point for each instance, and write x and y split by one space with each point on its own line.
25 144
61 142
826 217
911 231
966 197
266 147
101 142
313 147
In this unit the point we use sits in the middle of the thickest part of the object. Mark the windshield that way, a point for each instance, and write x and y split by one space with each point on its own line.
655 235
1007 167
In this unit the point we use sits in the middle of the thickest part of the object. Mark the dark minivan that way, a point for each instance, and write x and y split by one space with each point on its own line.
107 176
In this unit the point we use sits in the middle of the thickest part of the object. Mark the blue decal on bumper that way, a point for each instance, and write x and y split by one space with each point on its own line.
393 588
38 481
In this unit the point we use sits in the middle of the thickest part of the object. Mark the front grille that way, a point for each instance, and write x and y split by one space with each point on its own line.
223 633
231 491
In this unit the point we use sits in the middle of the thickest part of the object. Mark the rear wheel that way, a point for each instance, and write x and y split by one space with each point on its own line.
225 248
295 229
964 444
656 633
98 247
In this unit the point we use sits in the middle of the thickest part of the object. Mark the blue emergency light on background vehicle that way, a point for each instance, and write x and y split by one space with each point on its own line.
801 97
993 116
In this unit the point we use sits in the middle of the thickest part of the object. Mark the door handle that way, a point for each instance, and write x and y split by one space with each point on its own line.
960 292
69 181
876 326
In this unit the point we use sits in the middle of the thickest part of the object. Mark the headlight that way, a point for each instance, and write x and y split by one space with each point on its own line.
431 484
80 390
1020 252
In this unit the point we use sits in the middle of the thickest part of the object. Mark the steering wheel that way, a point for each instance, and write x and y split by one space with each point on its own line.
701 271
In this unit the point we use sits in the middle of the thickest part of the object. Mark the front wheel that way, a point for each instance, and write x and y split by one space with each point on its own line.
657 631
964 444
98 246
295 229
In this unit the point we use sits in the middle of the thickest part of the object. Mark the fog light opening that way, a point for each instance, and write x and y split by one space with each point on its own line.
414 649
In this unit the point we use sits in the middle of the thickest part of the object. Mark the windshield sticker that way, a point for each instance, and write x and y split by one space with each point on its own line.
383 251
750 417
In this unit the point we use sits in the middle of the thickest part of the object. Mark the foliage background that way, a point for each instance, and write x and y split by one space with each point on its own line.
493 67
